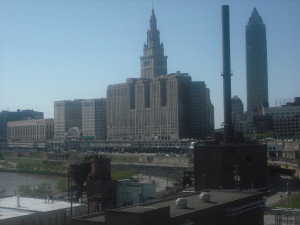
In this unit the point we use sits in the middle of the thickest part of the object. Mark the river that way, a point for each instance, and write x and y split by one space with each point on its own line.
11 181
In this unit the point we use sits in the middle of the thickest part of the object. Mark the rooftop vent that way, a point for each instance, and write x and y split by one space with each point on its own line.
181 203
204 197
18 201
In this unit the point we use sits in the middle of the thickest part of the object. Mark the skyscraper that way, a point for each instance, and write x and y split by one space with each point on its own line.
94 118
153 63
156 106
256 62
237 106
67 114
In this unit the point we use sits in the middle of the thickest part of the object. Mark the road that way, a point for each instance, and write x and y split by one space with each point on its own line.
161 182
280 184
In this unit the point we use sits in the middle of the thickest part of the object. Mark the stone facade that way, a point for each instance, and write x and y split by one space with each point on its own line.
156 106
151 109
30 130
94 118
7 116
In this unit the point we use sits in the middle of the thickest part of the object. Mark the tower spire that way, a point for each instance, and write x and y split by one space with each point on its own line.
153 22
255 17
153 63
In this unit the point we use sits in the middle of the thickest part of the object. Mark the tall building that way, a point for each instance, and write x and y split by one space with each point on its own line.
157 106
94 118
67 114
201 109
238 116
237 105
153 63
149 109
7 116
256 62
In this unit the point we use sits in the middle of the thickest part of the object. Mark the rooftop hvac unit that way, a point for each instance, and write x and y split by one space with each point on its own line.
181 203
204 197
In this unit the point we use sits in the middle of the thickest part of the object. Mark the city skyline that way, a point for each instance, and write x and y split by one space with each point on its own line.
52 51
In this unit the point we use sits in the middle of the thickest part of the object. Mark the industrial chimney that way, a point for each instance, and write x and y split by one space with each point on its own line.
228 127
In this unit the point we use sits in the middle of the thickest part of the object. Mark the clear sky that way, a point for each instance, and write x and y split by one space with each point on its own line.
53 50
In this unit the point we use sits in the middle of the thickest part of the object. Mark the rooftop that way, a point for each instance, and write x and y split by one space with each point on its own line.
9 206
218 197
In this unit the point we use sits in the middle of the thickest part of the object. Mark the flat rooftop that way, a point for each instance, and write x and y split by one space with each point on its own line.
9 208
218 197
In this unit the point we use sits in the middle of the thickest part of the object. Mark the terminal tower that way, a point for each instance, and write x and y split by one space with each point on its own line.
153 63
158 106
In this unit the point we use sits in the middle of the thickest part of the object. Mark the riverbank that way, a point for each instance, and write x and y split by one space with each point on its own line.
39 172
33 167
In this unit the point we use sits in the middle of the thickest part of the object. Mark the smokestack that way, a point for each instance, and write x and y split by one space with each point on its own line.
228 127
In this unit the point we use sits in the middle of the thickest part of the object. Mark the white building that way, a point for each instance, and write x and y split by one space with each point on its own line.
30 130
132 193
285 112
27 211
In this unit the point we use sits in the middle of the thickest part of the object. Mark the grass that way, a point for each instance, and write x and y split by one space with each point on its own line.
6 164
120 175
34 166
294 202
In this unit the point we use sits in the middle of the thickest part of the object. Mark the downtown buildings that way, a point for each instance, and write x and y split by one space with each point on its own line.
80 118
158 106
7 116
256 76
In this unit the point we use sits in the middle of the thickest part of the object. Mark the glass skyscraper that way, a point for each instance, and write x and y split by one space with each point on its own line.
256 62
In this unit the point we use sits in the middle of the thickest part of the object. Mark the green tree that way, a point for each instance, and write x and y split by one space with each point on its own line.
42 190
2 192
25 190
61 186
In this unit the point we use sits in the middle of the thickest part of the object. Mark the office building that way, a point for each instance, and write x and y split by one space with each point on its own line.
238 116
256 62
67 114
285 118
7 116
158 105
201 109
30 130
94 119
237 106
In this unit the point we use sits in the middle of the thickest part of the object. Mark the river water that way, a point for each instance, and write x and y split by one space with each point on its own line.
11 181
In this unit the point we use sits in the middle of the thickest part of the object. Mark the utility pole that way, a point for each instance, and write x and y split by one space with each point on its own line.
203 180
288 194
236 177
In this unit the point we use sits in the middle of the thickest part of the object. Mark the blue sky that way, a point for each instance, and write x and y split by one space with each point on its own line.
53 50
